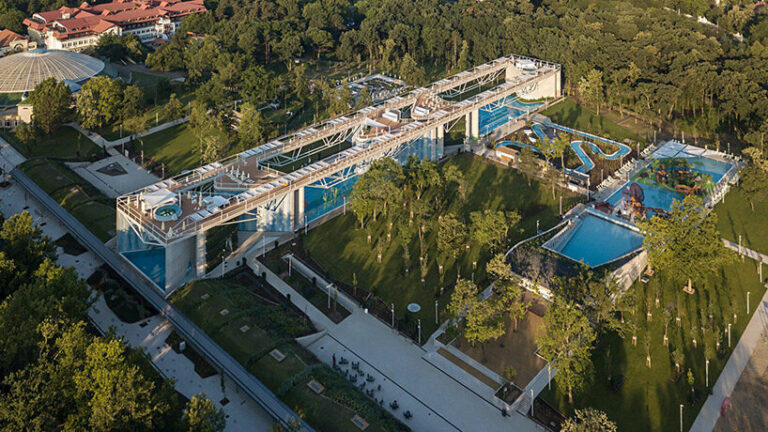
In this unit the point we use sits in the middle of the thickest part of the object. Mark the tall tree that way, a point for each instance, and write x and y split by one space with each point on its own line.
589 420
591 87
463 298
50 103
567 344
99 102
201 415
251 128
686 244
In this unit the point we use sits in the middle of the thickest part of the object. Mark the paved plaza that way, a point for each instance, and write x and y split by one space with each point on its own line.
115 175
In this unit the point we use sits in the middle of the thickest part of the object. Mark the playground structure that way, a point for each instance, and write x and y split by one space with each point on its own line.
266 190
634 195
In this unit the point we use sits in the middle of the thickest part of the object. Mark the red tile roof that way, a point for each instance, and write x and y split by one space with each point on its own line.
7 36
99 18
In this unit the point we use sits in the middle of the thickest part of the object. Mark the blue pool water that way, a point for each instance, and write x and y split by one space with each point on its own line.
151 262
597 241
655 197
493 116
578 146
713 167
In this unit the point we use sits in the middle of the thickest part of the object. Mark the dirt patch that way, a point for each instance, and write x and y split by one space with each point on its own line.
468 368
515 348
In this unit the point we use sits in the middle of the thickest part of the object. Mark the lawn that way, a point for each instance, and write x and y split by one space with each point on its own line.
154 115
650 397
86 203
274 325
66 144
569 113
735 217
343 250
176 147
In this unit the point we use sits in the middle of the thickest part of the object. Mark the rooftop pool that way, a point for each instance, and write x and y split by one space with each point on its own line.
597 240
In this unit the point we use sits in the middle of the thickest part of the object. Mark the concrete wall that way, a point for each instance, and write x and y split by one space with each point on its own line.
181 262
627 274
549 87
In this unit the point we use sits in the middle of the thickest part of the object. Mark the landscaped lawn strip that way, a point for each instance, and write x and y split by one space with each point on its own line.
86 203
274 326
649 399
66 144
571 114
735 217
176 147
342 248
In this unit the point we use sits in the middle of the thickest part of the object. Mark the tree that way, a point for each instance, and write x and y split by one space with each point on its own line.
25 133
132 100
50 103
377 188
484 321
251 128
173 108
422 174
528 163
213 149
452 174
200 122
754 178
567 344
463 298
512 300
451 235
411 72
490 227
591 87
201 415
589 420
687 243
98 102
24 244
678 358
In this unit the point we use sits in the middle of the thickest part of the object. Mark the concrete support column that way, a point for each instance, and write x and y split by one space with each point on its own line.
475 125
468 125
200 255
298 208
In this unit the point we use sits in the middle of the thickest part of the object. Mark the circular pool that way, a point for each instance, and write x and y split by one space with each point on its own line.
168 212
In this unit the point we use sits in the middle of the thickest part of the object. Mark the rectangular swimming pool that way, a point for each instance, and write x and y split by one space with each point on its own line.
597 240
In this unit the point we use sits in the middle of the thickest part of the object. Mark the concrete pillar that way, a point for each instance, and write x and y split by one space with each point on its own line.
475 126
298 208
468 125
200 255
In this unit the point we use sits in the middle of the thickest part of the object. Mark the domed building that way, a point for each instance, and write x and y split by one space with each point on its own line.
21 72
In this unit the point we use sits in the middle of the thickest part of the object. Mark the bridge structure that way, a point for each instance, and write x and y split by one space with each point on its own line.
170 230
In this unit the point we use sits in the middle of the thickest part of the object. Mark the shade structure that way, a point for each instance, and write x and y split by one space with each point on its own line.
23 71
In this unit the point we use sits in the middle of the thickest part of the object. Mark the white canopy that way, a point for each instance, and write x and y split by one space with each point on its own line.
157 198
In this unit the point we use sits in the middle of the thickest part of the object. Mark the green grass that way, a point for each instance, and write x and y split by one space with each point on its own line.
86 203
735 217
66 144
342 248
154 115
176 147
272 326
569 113
10 99
649 399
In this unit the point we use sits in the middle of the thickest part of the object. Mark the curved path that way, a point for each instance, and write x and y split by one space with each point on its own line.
188 330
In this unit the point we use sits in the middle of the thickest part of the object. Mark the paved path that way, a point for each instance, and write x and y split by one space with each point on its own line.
753 336
188 330
438 401
100 140
749 253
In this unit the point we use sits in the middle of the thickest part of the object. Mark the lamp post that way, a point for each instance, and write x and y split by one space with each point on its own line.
681 417
706 369
436 319
393 315
419 325
729 335
748 293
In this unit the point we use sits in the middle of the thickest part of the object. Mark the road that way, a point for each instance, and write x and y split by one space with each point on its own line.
188 330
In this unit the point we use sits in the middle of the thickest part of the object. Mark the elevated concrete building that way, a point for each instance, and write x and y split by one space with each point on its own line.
171 231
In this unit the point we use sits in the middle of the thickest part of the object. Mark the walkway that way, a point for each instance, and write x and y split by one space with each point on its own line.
100 140
188 330
753 335
749 253
438 401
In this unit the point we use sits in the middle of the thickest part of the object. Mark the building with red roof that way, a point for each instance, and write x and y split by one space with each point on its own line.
10 41
74 28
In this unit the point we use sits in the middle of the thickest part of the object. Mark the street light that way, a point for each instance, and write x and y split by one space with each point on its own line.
393 315
435 311
681 417
729 335
706 368
419 324
748 302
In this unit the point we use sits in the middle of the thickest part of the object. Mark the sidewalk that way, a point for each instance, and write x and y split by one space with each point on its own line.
98 139
726 383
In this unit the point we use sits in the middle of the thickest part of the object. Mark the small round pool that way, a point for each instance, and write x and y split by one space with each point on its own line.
167 212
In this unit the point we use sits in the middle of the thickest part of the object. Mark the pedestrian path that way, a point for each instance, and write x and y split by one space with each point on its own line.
749 253
103 142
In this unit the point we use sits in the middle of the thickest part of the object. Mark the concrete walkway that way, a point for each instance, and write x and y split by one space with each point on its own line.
103 142
754 334
437 401
749 253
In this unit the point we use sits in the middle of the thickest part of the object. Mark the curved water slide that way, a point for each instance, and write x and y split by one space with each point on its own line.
578 146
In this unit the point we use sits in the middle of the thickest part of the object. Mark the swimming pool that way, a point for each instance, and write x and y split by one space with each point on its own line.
655 196
151 262
716 168
597 240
